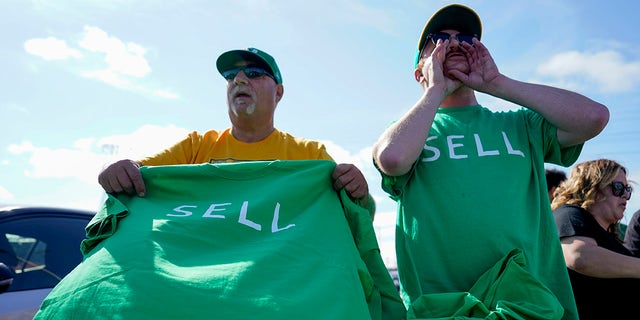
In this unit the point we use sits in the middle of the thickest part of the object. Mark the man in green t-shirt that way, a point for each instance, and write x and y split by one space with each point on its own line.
470 183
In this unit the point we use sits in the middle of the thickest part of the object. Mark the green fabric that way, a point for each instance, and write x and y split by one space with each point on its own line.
263 240
506 291
478 191
383 300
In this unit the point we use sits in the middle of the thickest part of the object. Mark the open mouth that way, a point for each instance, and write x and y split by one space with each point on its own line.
456 55
241 94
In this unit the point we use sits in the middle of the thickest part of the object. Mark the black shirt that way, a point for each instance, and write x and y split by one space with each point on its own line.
596 298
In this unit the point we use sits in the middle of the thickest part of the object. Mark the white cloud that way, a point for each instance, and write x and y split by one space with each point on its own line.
74 162
86 157
23 147
51 49
342 155
5 194
122 58
105 58
145 141
604 71
125 62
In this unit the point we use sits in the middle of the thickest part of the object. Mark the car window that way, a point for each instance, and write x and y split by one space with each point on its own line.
41 250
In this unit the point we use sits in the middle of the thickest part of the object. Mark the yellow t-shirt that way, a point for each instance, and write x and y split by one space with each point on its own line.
217 147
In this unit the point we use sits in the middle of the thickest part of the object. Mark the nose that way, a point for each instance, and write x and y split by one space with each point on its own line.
453 41
240 78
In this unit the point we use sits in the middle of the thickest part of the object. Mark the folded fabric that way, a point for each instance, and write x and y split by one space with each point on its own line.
264 240
506 291
103 224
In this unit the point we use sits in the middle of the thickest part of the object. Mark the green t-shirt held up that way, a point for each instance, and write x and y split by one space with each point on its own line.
260 240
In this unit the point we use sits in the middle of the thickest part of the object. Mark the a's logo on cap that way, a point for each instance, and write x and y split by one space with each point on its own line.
254 50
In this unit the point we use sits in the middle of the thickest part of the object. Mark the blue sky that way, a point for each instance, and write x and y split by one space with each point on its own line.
87 82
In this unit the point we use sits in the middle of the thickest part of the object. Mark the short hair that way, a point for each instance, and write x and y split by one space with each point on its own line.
554 178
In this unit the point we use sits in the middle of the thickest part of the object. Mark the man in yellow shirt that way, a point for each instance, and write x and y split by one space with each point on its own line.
254 88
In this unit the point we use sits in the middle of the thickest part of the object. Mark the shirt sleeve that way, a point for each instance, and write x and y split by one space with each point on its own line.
573 221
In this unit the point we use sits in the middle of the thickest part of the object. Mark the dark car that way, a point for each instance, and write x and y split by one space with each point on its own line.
38 247
393 272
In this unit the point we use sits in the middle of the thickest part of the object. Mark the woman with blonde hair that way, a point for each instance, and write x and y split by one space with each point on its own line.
587 209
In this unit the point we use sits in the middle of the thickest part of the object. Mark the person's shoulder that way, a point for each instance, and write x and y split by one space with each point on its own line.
570 211
304 148
211 132
573 214
300 140
571 208
210 135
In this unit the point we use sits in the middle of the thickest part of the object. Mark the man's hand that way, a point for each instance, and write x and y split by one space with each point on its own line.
482 69
433 69
349 177
122 176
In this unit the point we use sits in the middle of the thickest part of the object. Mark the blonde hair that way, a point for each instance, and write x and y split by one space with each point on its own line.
584 181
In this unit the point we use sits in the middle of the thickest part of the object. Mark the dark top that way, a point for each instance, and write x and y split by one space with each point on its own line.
632 235
596 298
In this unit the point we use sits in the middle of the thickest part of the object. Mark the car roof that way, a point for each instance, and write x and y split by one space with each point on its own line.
11 211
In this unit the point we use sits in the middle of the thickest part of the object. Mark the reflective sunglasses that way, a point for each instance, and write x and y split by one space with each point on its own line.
468 38
619 189
250 72
445 36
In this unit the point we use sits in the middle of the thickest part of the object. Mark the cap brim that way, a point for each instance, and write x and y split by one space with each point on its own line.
229 59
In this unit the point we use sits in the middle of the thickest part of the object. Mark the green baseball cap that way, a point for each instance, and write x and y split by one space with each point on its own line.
228 60
455 17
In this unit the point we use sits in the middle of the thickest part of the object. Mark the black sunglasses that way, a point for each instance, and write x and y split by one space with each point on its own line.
468 38
618 189
250 72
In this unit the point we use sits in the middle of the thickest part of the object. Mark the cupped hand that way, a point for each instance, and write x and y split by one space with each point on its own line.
483 71
433 69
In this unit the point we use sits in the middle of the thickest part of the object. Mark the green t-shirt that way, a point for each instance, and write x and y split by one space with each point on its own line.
260 240
476 192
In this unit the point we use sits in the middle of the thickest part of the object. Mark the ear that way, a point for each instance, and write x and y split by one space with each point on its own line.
279 92
418 75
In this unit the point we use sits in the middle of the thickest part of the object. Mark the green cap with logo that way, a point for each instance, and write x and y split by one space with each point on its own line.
454 17
228 60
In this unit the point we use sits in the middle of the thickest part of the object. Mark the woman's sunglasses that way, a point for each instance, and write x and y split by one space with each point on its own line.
619 189
250 72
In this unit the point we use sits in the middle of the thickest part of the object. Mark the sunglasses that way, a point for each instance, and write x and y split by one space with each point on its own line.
619 189
445 36
468 38
250 72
